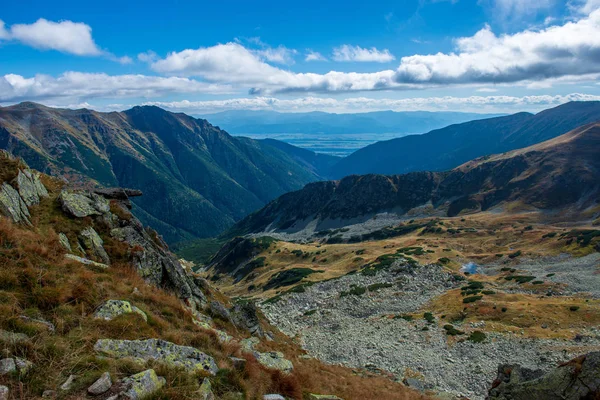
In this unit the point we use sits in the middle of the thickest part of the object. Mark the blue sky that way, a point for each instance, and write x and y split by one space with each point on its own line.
200 57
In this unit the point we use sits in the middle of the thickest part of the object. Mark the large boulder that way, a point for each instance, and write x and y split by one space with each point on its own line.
83 204
111 309
30 187
13 206
574 380
189 358
244 315
93 244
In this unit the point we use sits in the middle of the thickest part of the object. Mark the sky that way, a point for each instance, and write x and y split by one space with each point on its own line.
335 56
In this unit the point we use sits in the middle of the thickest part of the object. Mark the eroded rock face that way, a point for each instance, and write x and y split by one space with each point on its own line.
30 187
141 385
12 205
574 380
244 316
113 308
93 244
83 204
187 357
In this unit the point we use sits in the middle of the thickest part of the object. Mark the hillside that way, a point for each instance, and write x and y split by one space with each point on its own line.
248 122
94 306
197 178
446 148
561 175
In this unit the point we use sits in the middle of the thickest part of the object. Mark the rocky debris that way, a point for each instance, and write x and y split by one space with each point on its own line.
414 383
47 324
202 320
30 187
574 380
64 242
313 396
15 365
219 309
273 396
206 390
141 385
102 385
93 243
13 338
68 383
187 357
4 392
113 308
13 206
86 262
83 204
270 359
244 316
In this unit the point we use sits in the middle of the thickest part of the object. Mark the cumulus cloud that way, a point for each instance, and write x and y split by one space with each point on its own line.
64 36
355 53
279 55
80 85
148 56
516 9
314 56
363 104
556 51
3 32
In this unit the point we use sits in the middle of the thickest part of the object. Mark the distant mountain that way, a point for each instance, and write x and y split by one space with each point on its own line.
265 122
446 148
562 174
197 179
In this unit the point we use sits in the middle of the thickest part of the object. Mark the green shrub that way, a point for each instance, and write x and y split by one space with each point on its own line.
574 308
376 286
354 291
429 317
488 292
472 299
515 254
452 331
504 309
477 337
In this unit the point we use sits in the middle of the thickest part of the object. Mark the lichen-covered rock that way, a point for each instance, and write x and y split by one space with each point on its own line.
102 385
206 390
113 308
273 396
4 392
64 242
13 338
39 321
574 380
141 385
86 262
93 244
244 315
15 365
219 309
202 320
313 396
68 383
83 204
13 206
187 357
30 187
270 359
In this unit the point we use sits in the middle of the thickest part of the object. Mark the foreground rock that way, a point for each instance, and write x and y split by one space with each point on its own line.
15 365
206 390
113 308
189 358
270 359
574 380
102 385
83 204
4 392
142 385
93 244
31 189
13 206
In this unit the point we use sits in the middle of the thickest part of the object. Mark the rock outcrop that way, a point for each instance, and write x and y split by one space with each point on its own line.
270 359
30 187
141 385
83 204
113 308
189 358
574 380
12 205
93 244
102 385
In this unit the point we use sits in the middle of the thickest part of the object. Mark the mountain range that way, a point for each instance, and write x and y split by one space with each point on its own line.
560 175
268 122
446 148
197 179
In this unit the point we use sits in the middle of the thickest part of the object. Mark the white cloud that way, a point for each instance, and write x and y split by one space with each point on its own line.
279 55
314 56
364 104
486 90
64 36
4 34
557 51
79 85
356 53
515 9
148 56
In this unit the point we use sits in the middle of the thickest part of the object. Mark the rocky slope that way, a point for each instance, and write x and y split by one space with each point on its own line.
560 176
197 179
447 148
93 305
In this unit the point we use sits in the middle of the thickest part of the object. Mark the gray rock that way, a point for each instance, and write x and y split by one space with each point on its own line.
273 396
49 393
7 366
13 206
111 309
141 385
187 357
206 390
23 365
313 396
244 315
93 244
64 242
86 262
4 392
219 309
574 380
414 383
30 187
47 324
68 383
13 338
270 359
102 385
83 204
118 193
